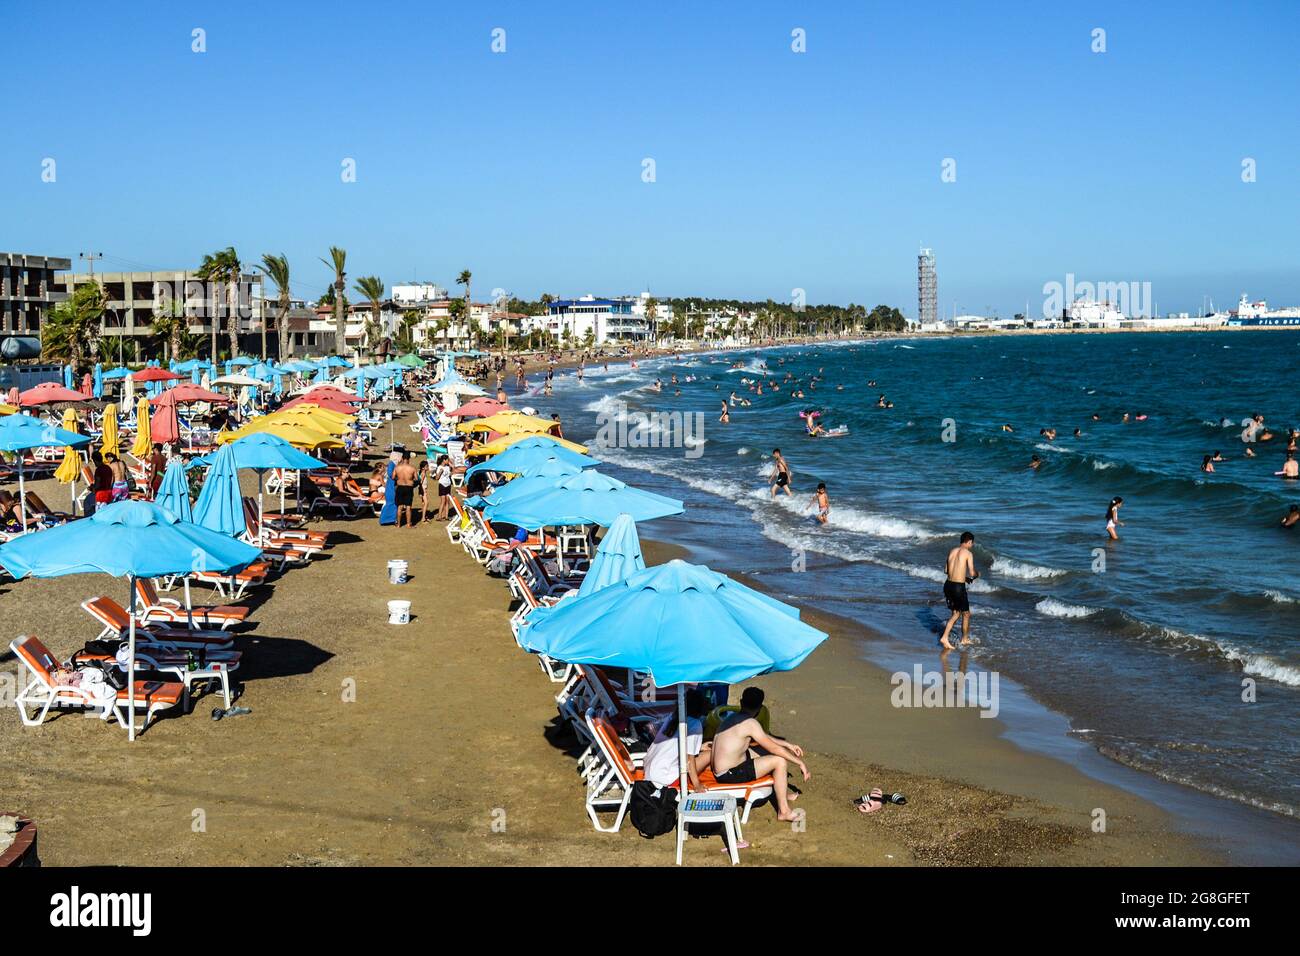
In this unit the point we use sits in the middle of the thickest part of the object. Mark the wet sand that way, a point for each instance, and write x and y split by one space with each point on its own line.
437 743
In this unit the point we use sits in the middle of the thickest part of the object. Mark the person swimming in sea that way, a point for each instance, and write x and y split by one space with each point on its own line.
1112 518
725 417
1207 464
1290 468
1292 517
1035 463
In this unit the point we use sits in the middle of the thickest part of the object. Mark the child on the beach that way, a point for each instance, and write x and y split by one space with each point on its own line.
822 501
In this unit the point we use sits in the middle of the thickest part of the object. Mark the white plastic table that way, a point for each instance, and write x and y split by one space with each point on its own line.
702 808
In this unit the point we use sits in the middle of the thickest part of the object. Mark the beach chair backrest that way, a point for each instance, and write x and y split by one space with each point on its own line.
611 747
146 592
33 653
108 612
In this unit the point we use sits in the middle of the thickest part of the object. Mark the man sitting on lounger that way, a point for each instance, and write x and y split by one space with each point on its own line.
743 751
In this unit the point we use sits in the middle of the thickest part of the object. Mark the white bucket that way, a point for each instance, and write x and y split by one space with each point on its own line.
399 612
397 572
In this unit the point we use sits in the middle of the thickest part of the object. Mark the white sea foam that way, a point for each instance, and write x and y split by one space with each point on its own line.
1054 608
978 586
1023 569
1280 598
1258 665
1100 465
742 451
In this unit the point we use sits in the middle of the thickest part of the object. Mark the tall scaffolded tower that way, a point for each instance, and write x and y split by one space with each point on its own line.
927 288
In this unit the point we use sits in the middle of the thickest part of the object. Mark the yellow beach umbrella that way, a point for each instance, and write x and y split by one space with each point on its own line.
70 469
294 417
300 436
265 423
320 414
508 423
7 409
143 443
499 445
108 444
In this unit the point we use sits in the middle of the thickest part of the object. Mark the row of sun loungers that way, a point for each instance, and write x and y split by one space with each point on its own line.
612 720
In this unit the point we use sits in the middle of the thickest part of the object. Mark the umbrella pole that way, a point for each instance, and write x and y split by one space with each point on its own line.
130 668
261 524
22 492
681 756
189 604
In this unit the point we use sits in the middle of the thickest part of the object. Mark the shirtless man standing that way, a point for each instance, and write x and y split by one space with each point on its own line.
734 763
404 477
961 571
780 473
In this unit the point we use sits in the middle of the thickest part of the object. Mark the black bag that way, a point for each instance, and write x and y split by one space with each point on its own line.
654 809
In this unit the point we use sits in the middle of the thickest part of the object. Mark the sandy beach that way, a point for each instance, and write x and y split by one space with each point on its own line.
437 743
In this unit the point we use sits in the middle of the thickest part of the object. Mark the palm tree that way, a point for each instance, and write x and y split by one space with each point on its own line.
337 261
224 267
276 268
372 287
168 324
71 329
464 279
459 312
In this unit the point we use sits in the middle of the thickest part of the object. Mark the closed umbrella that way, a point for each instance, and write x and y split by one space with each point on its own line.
97 383
69 469
681 623
618 557
220 506
262 451
174 492
133 539
143 441
108 439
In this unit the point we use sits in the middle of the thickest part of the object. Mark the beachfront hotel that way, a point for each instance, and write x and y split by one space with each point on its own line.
29 286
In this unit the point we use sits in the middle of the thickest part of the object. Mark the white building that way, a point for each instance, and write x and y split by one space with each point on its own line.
588 318
1088 314
410 294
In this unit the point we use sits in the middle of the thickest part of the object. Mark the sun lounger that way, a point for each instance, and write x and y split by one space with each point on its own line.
155 609
609 783
116 623
189 667
46 693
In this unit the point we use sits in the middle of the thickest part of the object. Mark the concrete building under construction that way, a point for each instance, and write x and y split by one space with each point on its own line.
927 289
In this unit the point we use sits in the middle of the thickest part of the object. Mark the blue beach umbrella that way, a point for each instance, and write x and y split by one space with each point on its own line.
682 623
116 373
542 478
67 376
133 539
531 452
174 492
585 498
97 390
20 432
261 451
618 557
220 506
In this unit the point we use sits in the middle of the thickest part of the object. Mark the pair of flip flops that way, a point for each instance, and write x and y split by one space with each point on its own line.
871 802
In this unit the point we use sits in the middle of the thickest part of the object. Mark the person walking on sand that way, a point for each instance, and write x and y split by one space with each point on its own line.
404 478
780 473
1112 518
960 570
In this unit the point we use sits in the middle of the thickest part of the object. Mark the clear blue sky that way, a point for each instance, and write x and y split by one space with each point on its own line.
774 170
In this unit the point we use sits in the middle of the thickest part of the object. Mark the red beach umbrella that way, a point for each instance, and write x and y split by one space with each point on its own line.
479 408
49 392
154 374
165 426
188 392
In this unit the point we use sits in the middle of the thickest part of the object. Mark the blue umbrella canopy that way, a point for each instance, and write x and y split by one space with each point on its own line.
542 478
531 452
618 557
261 450
585 498
120 372
174 492
126 538
682 623
20 432
220 506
